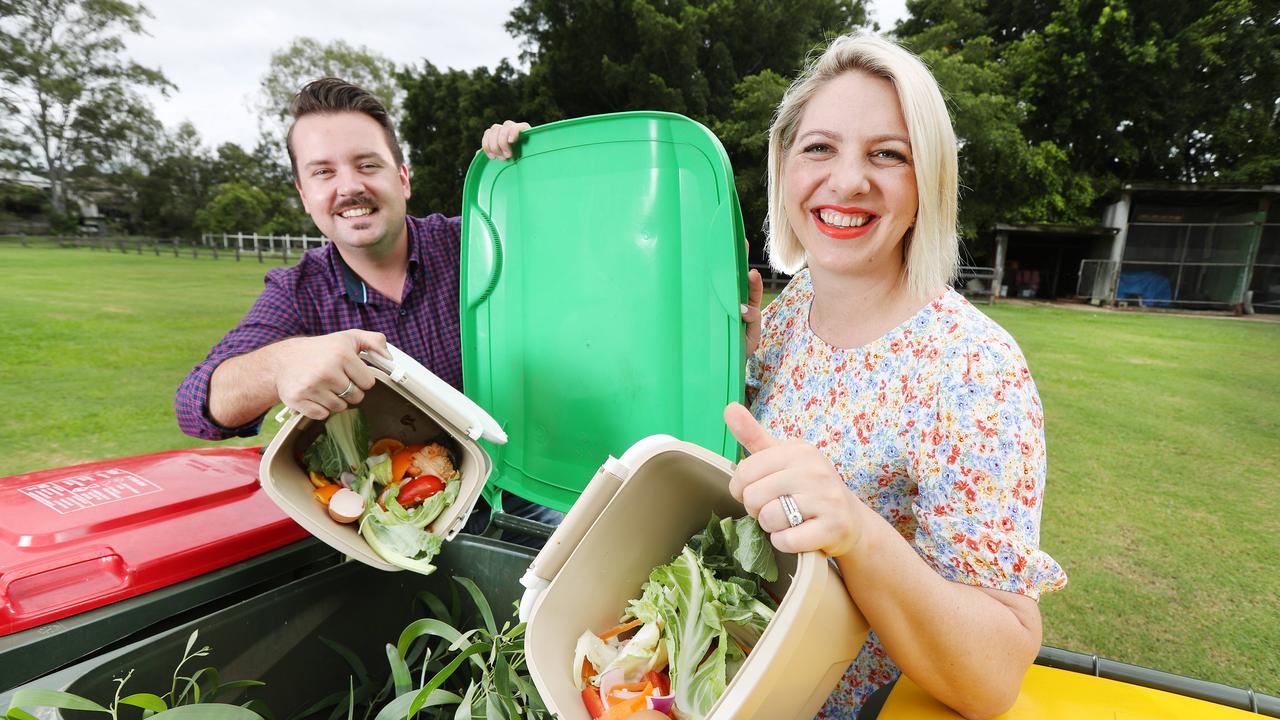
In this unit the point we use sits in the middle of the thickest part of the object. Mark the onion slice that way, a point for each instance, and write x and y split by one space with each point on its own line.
608 682
661 703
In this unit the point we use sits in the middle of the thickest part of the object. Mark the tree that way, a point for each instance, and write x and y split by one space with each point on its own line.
721 62
1004 175
1057 104
235 207
446 112
306 59
69 96
168 181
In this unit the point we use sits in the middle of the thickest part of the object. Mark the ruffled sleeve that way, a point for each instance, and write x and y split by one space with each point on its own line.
981 472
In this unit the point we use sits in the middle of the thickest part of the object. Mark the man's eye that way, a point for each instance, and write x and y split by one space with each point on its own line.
321 172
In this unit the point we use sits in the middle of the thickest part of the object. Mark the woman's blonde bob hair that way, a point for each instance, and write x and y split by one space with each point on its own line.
930 249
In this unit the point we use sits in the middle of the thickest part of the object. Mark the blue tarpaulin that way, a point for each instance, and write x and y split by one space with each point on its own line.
1151 289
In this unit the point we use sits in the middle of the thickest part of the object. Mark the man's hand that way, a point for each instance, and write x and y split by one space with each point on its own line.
315 376
499 139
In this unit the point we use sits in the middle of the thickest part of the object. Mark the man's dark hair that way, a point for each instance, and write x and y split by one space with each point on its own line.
333 95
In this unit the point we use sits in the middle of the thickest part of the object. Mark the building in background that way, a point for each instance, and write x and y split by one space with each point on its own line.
1159 245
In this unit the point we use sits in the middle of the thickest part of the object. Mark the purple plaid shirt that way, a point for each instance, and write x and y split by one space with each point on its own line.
321 295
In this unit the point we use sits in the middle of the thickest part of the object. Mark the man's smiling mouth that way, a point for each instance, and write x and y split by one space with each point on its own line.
355 212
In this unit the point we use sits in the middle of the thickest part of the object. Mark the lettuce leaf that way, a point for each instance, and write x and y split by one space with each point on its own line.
400 544
707 602
342 447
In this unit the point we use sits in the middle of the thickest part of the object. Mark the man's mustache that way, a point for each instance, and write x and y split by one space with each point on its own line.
357 201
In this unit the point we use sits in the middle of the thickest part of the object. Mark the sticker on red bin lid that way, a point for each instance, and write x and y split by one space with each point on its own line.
76 538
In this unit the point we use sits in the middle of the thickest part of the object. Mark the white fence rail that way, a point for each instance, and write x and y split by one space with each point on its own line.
270 244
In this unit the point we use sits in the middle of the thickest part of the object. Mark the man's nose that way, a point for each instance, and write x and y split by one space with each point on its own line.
350 182
849 177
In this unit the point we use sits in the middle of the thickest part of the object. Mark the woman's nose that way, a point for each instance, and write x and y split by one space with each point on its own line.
850 178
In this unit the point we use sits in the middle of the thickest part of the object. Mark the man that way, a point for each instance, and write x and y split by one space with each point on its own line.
383 276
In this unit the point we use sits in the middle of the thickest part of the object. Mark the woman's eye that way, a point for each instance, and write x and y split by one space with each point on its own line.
818 148
890 155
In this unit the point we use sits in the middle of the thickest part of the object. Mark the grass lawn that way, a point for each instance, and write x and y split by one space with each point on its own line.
1163 499
94 344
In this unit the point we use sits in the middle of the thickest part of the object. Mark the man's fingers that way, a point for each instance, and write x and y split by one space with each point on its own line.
313 410
512 131
489 143
746 429
369 340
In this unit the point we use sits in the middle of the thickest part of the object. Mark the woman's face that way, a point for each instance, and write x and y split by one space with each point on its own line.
850 185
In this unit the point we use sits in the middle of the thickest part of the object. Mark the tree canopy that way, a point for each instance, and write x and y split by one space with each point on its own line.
69 95
721 62
306 59
1057 104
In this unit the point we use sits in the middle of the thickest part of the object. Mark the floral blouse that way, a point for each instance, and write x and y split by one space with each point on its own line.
936 425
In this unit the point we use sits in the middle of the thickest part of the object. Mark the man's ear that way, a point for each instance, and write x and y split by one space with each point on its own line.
301 195
404 180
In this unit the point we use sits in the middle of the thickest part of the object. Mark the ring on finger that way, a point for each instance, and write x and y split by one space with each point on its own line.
351 385
791 510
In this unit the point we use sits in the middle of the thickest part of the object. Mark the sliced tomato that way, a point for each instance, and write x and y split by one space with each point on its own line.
659 680
591 698
418 489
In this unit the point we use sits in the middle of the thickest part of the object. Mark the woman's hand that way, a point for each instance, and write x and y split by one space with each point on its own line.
499 139
751 311
833 518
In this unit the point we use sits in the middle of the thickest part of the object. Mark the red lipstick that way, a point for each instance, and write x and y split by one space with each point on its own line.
840 232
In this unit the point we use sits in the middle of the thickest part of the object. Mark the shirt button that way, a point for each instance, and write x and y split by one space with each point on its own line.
403 312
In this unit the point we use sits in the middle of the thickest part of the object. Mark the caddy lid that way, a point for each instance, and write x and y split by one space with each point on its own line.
459 409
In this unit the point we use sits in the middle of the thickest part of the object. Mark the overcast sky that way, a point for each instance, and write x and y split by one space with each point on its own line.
217 51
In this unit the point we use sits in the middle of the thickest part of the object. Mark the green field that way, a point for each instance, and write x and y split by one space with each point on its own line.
1163 500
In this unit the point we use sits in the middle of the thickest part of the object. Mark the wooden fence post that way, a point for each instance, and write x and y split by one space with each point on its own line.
174 242
257 245
155 245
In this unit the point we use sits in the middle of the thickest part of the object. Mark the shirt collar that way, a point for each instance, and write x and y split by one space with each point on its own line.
351 284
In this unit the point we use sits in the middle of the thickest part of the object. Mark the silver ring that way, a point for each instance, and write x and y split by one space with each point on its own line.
351 385
792 510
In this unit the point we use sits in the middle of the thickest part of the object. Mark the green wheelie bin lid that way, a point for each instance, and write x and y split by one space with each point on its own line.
602 272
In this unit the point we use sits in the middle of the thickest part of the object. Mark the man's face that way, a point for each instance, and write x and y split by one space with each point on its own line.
349 181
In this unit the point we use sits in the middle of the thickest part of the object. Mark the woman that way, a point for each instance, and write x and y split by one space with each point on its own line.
892 425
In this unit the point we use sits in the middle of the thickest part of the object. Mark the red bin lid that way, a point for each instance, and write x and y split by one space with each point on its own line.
76 538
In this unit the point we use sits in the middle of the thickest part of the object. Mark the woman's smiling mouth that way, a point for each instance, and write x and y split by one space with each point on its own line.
843 223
